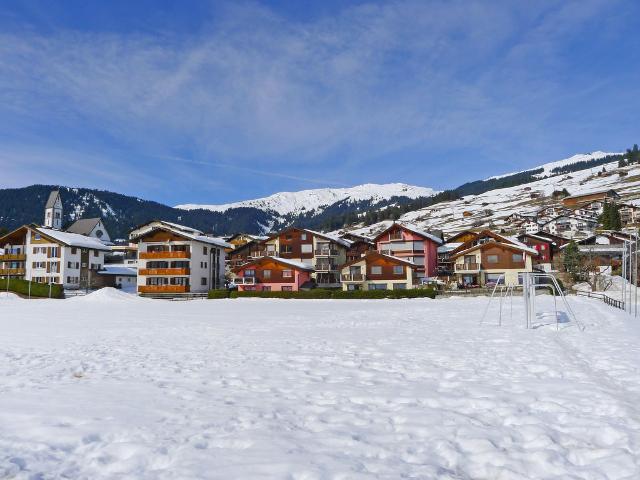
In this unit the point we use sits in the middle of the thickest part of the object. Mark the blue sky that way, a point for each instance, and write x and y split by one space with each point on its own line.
213 102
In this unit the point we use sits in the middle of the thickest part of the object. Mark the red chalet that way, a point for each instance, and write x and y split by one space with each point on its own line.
411 244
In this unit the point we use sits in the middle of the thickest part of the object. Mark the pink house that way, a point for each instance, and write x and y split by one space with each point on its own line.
272 274
411 244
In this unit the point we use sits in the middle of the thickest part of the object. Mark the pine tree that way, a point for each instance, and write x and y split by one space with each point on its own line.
572 259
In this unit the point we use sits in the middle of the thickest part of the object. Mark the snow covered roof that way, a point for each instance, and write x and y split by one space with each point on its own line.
187 232
118 269
373 253
538 237
412 229
329 236
506 245
73 239
447 247
285 261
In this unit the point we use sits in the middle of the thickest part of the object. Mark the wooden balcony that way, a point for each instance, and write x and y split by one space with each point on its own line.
163 289
8 257
164 271
467 267
353 277
167 254
11 271
325 267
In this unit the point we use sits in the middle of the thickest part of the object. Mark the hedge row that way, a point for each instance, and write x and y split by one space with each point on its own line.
17 285
325 293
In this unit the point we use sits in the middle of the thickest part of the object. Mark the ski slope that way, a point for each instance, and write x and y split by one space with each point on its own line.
112 386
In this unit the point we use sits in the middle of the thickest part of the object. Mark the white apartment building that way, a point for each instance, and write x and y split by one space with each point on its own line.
177 259
46 255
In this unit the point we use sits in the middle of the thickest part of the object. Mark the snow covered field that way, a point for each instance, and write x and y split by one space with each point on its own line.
110 386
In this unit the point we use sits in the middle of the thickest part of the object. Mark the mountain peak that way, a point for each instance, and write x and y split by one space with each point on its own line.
288 203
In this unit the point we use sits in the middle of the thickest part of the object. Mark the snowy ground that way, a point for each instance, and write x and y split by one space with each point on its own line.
111 386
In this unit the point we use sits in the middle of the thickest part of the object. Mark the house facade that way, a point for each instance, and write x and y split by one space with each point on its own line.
412 245
545 248
377 271
570 226
177 259
46 255
324 253
273 274
490 258
573 201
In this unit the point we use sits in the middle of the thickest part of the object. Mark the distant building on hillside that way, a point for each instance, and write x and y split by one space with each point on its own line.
572 201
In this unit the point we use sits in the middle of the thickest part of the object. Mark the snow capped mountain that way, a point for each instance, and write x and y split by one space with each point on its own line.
293 203
548 167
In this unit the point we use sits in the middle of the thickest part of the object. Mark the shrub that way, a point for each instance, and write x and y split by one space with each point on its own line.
216 294
320 293
18 285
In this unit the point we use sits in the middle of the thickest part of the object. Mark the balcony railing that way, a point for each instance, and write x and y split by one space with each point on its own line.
467 267
163 289
164 271
164 254
11 271
326 252
244 281
353 277
7 257
325 267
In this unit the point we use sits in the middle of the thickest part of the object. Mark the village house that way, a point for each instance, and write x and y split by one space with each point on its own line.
358 248
273 274
545 248
574 201
412 245
570 226
603 251
445 264
629 214
46 255
242 254
377 271
324 253
177 259
491 257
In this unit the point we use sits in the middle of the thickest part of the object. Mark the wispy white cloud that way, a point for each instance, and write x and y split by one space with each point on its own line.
257 88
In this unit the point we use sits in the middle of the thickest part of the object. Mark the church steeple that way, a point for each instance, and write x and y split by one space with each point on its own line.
53 211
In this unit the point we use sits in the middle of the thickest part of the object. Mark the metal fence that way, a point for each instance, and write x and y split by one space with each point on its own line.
605 298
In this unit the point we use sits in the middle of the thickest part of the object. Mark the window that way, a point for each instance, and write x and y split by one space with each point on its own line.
288 236
266 288
517 258
204 250
543 247
96 253
287 288
73 250
203 281
303 236
492 258
377 286
266 274
37 236
287 273
399 286
249 273
285 249
376 270
306 248
398 269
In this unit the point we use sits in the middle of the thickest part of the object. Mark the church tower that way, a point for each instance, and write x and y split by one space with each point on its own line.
53 211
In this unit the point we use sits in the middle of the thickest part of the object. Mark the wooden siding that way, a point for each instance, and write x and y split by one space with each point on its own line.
505 261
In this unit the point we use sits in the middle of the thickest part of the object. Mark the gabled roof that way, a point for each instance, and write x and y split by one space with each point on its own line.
186 232
84 226
493 243
51 201
327 236
497 238
538 237
284 261
412 229
118 269
453 238
71 239
596 192
373 254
